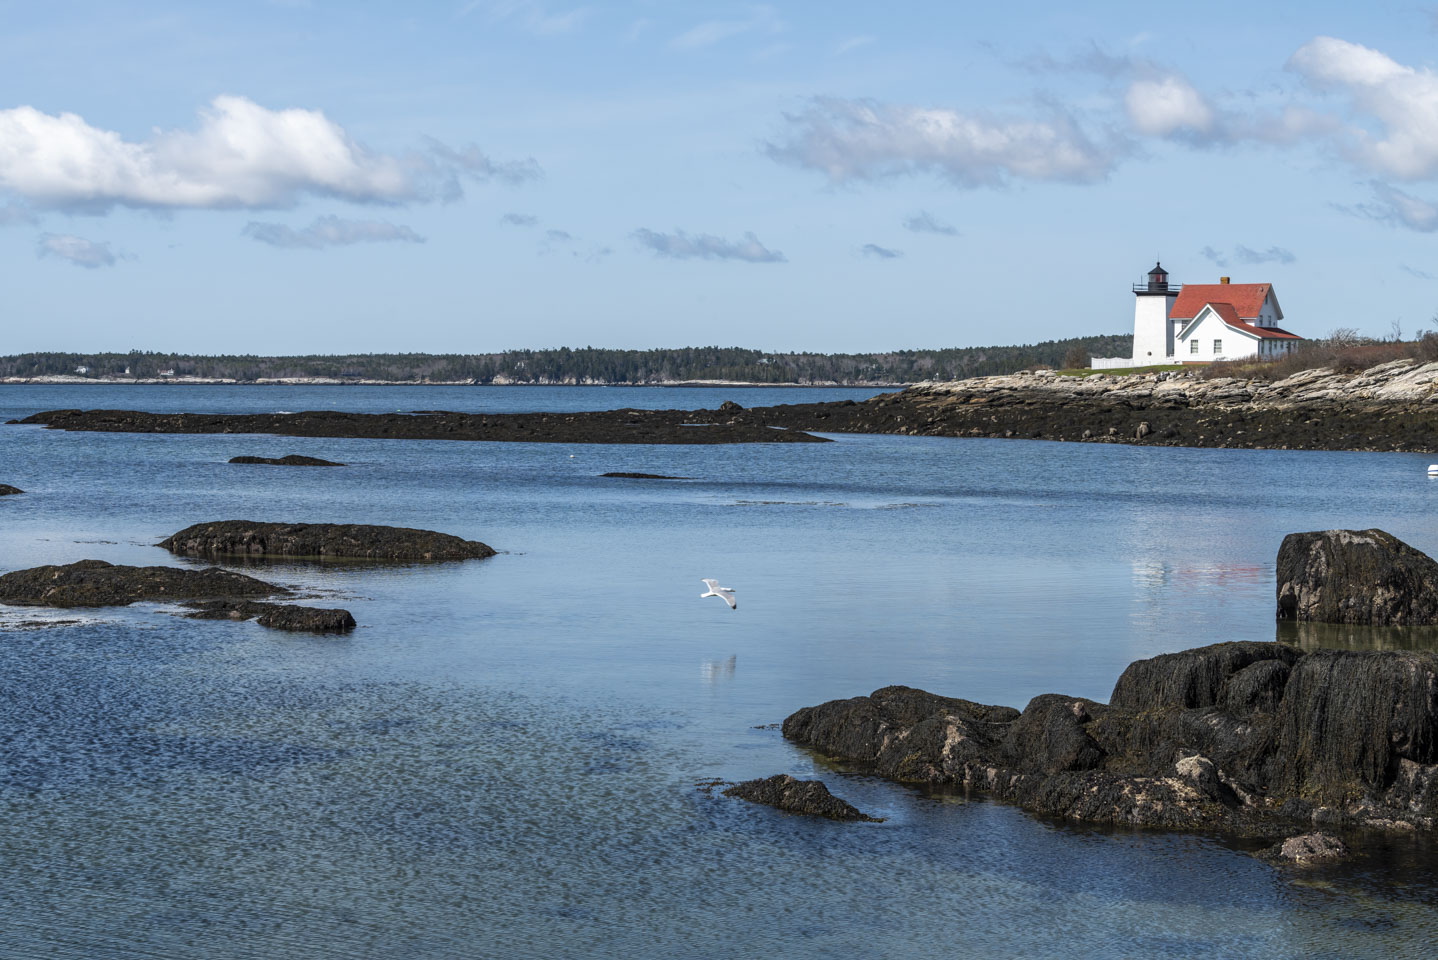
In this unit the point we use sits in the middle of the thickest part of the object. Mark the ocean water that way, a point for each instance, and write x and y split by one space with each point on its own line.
507 757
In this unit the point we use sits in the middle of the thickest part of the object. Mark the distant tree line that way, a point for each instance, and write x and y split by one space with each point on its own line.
584 365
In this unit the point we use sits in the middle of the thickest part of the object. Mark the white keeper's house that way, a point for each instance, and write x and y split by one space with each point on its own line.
1203 322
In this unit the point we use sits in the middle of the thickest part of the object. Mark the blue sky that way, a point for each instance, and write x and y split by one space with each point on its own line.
304 176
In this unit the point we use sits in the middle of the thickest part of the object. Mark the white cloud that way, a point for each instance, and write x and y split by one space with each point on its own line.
761 19
865 140
925 222
519 220
853 43
1247 255
1168 105
529 15
1394 206
1214 256
1415 272
241 155
1271 255
1396 105
683 246
330 232
77 250
878 252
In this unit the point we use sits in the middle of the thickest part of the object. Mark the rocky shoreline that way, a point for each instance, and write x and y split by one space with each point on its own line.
1390 407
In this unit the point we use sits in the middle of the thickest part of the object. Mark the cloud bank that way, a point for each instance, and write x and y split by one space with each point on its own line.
330 232
683 246
241 155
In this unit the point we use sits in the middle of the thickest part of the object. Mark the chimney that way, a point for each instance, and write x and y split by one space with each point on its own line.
1222 279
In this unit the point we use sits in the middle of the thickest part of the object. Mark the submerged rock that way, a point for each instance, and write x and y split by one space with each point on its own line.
95 583
289 460
1306 849
808 797
1245 737
280 616
7 490
643 476
325 541
1356 576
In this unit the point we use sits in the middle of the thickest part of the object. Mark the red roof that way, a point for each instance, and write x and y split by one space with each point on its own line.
1245 298
1229 315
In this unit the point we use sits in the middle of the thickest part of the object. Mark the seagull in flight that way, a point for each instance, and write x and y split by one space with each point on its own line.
723 593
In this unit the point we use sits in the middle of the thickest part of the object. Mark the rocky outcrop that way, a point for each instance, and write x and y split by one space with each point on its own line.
278 616
1306 849
320 541
6 490
1356 576
609 426
1389 407
95 583
643 476
1248 737
809 797
289 460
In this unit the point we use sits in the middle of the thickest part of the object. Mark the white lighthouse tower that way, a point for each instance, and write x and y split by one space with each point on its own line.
1152 331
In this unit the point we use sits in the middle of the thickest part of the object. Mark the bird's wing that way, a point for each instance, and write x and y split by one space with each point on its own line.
711 584
728 596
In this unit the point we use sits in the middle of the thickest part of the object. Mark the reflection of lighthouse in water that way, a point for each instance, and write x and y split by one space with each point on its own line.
1160 587
715 670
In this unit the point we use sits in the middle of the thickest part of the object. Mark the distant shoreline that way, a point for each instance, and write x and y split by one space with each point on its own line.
336 382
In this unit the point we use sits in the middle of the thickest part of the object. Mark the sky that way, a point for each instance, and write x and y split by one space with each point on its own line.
311 176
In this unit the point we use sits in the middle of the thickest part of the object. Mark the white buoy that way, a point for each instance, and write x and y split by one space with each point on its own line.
1433 469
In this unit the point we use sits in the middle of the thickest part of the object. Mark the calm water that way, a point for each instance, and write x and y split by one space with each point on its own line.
502 760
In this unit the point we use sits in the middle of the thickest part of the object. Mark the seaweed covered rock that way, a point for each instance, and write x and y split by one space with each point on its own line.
1248 737
1305 849
289 460
279 616
1356 576
6 490
95 583
809 797
322 541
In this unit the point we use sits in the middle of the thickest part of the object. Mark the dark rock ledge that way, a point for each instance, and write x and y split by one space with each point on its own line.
1251 738
95 583
809 797
607 426
212 593
324 541
289 460
279 616
7 490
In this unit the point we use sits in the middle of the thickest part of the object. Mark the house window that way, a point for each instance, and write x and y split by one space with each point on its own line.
1193 346
1218 346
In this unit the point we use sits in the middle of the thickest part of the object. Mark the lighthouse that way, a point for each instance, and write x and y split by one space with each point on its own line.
1152 330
